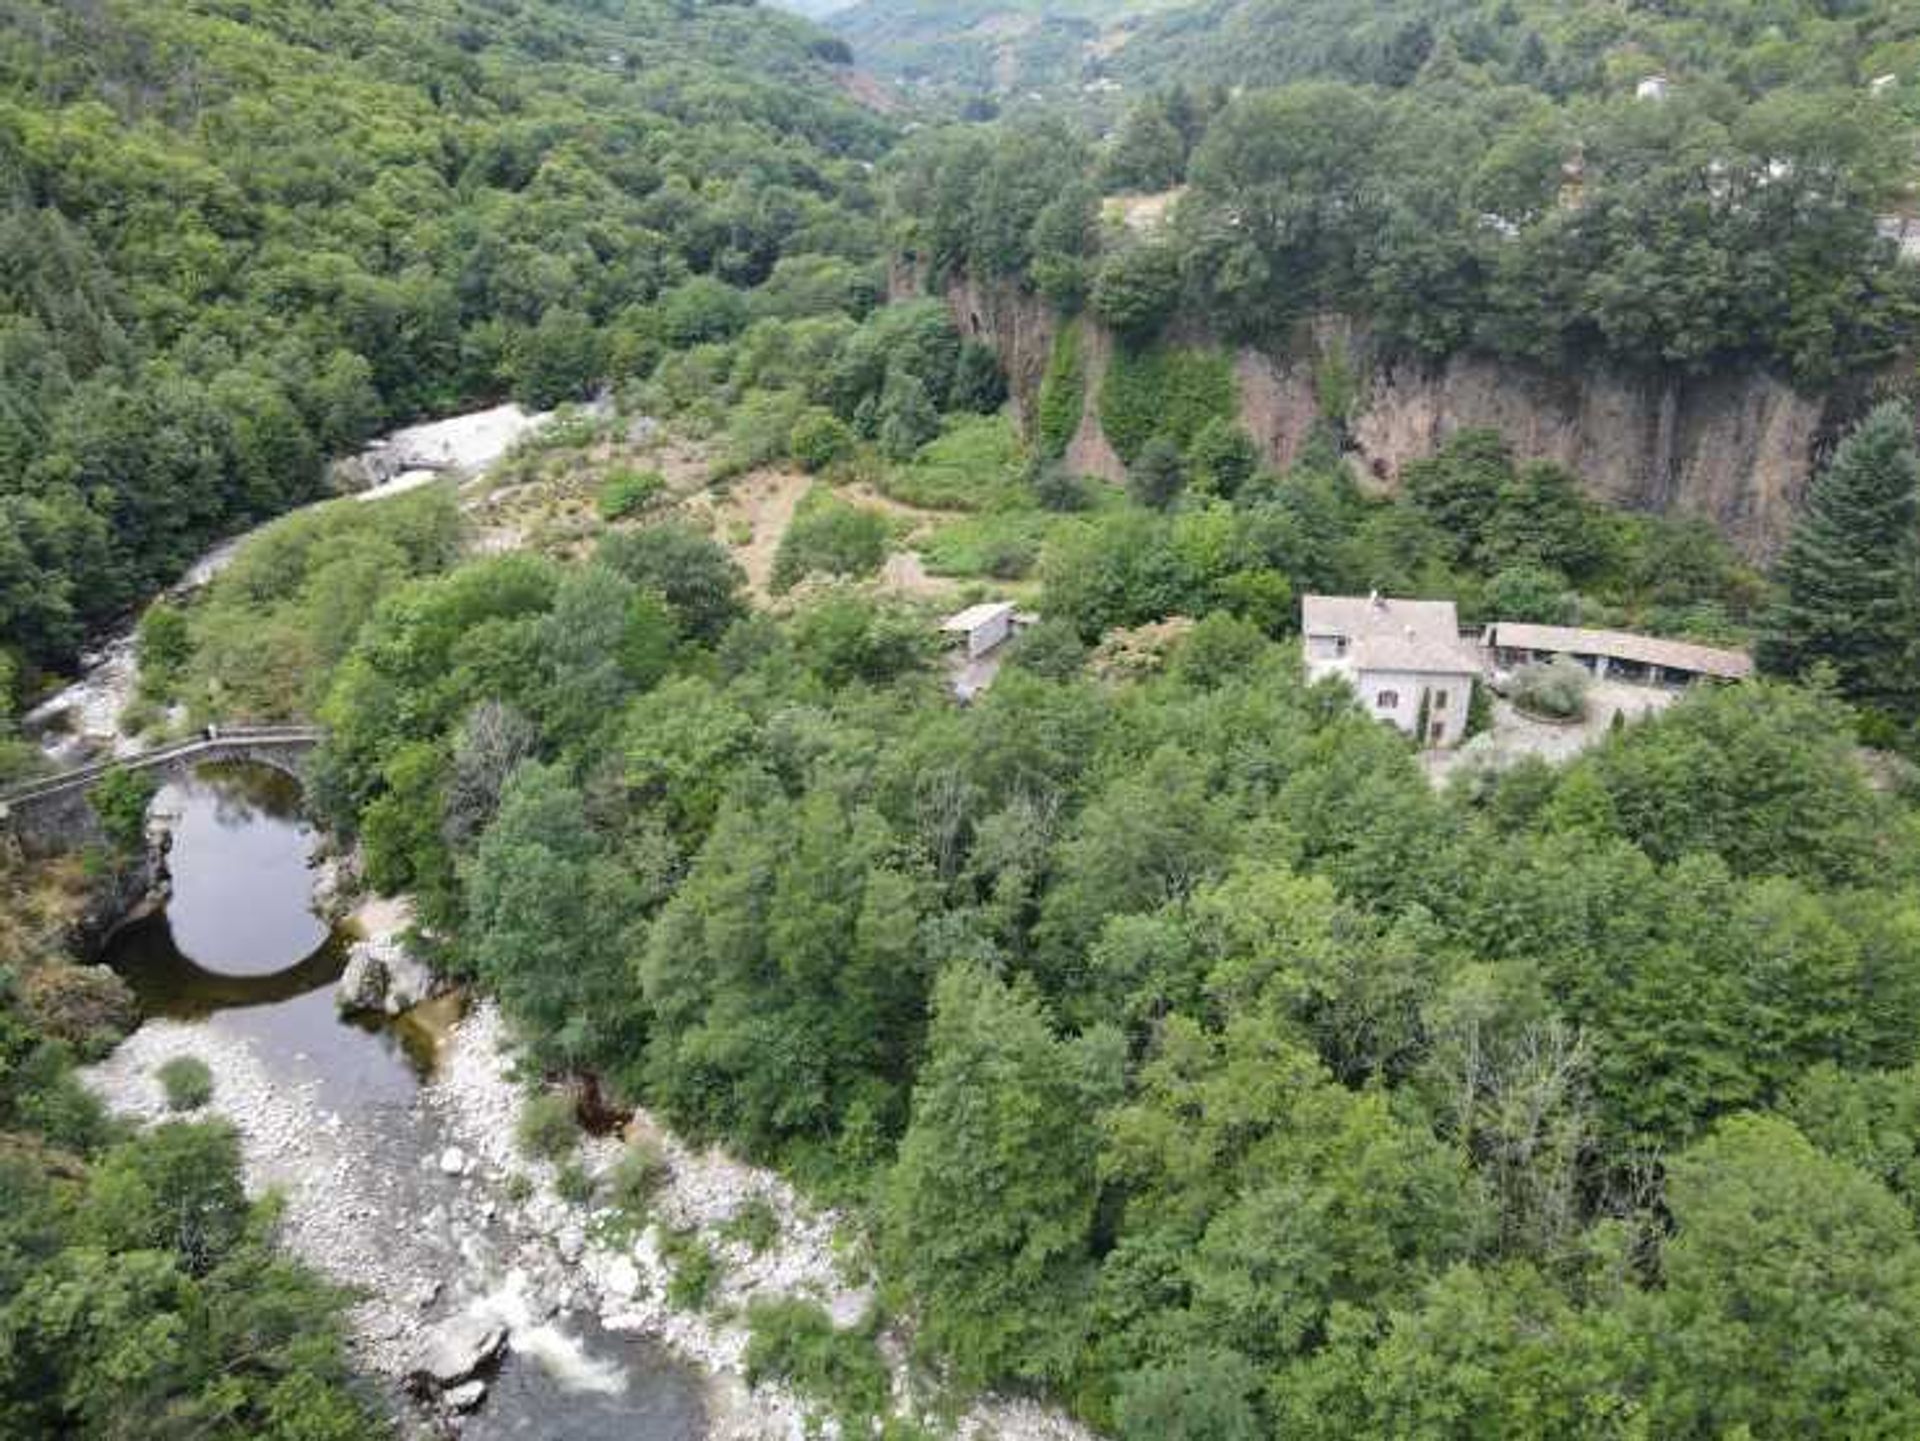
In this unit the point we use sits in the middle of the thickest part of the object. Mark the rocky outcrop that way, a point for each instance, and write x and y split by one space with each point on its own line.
382 975
458 1348
1735 447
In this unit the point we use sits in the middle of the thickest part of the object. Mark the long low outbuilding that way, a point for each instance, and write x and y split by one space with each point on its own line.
1615 653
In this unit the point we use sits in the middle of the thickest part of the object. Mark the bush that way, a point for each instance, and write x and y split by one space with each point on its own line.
1161 391
1002 546
628 492
696 1270
1532 593
830 537
756 1225
906 418
1052 649
819 439
165 645
979 384
796 1342
1557 691
574 1183
1223 458
187 1081
88 1007
1157 475
1058 489
548 1128
637 1178
120 799
973 465
1062 394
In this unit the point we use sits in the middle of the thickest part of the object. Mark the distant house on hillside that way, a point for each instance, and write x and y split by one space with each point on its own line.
1615 654
1653 87
984 626
1405 658
982 632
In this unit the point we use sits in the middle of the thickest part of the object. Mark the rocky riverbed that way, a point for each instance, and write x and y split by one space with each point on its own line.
455 1239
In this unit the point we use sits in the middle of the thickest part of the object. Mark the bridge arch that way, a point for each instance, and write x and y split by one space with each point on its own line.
55 813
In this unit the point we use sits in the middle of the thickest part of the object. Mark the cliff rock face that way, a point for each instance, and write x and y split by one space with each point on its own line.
1736 448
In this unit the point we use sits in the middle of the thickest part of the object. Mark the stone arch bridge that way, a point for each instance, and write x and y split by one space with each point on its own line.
54 813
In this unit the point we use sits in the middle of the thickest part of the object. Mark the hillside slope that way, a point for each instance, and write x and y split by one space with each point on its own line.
977 48
240 237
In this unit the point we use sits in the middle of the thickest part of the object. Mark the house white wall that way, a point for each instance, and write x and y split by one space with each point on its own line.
1326 655
1394 697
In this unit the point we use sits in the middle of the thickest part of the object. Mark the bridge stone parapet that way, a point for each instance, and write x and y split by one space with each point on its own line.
55 813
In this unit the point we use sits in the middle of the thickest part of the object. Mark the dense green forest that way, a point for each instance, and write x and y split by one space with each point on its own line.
1188 1055
1684 235
239 239
988 52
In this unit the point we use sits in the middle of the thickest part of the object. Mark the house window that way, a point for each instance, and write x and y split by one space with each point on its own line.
1436 733
1387 700
1440 700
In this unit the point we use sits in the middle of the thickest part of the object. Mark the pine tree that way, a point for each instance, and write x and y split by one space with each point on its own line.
1845 595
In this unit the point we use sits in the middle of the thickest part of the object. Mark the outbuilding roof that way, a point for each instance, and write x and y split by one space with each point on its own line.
1622 645
975 616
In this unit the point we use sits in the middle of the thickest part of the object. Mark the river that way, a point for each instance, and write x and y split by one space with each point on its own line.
82 720
344 1117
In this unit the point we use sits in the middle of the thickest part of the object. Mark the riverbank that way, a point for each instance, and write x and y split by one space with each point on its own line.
431 1213
82 719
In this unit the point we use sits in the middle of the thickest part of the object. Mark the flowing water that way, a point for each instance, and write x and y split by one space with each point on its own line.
238 954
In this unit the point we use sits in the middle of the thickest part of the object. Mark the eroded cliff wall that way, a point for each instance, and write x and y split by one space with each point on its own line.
1736 448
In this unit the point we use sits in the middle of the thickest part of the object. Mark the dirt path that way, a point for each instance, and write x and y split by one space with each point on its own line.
763 502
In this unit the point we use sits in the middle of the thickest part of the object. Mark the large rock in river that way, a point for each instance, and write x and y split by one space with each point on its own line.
457 1348
382 975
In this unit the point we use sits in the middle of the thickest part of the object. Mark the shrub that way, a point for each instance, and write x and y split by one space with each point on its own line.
696 1270
1062 394
1002 546
120 799
973 465
819 439
1532 593
760 431
1162 391
637 1178
833 538
547 1127
165 645
1058 489
979 384
906 418
88 1007
1223 458
1157 475
1052 648
187 1082
796 1342
1557 690
574 1183
628 492
756 1225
